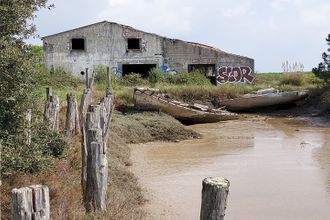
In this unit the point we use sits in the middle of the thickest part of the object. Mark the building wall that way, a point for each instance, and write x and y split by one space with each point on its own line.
106 43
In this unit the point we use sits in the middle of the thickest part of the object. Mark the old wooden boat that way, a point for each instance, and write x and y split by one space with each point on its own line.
264 98
151 99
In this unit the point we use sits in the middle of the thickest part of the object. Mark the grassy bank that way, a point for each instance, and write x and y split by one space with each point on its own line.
125 195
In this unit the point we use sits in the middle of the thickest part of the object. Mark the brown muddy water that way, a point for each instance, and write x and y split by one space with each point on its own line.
277 168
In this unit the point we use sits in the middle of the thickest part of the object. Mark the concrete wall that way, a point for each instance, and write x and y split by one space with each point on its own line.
106 43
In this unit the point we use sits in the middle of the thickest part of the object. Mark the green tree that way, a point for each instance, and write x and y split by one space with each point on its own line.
323 69
16 61
17 70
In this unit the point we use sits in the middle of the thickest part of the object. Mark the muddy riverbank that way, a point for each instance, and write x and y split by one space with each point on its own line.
278 168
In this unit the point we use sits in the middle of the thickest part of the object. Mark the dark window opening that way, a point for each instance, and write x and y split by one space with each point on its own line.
207 69
133 44
78 43
142 69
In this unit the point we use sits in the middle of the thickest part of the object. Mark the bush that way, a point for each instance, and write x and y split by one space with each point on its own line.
294 79
155 76
17 156
101 74
185 78
132 79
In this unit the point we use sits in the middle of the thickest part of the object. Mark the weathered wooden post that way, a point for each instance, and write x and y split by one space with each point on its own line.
27 128
97 164
52 109
31 203
95 125
109 86
72 116
214 198
87 78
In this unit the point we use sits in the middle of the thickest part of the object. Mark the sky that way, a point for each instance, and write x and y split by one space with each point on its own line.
271 32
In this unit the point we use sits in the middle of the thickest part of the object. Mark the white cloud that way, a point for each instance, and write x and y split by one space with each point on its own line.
160 16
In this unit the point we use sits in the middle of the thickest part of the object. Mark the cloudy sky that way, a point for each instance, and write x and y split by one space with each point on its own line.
270 31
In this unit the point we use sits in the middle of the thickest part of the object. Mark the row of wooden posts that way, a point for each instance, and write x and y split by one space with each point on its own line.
93 122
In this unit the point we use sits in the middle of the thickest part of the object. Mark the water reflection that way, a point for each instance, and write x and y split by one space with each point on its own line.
270 163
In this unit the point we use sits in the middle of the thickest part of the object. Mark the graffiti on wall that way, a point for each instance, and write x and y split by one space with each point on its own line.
229 74
117 71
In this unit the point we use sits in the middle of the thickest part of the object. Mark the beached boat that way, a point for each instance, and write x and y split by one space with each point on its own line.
151 99
264 98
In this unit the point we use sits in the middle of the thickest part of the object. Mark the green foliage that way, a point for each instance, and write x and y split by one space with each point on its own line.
184 78
323 69
17 156
155 76
132 79
20 72
294 79
101 74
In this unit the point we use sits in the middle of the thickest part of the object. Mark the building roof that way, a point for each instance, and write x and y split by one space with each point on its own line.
126 26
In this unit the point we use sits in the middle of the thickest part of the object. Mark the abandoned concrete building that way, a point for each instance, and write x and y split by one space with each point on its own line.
125 50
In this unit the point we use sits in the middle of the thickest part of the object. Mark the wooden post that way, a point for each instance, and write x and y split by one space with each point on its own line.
87 78
109 86
31 203
49 93
72 116
27 129
95 121
97 164
214 198
52 110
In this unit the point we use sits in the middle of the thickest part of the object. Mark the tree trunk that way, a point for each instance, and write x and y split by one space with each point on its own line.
72 117
31 203
214 198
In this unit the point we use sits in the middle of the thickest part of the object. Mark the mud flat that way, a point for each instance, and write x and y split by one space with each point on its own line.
278 169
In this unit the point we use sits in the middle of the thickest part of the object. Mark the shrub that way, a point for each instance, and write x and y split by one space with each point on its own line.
101 74
17 156
132 79
185 78
155 76
294 79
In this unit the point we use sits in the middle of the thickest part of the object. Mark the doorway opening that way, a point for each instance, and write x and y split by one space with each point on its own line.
142 69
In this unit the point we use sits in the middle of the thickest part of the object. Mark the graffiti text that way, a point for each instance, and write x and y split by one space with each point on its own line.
228 74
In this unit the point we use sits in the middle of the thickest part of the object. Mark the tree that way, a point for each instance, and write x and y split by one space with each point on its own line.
323 69
16 61
17 86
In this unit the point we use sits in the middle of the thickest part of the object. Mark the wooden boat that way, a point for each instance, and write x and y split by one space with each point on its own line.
264 98
151 99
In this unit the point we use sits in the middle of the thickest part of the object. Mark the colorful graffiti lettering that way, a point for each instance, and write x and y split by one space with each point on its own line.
228 74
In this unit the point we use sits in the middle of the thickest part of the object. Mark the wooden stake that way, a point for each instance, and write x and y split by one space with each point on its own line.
52 110
214 198
31 203
72 116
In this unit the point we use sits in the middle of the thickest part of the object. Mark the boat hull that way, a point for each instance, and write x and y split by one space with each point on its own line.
254 101
147 100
